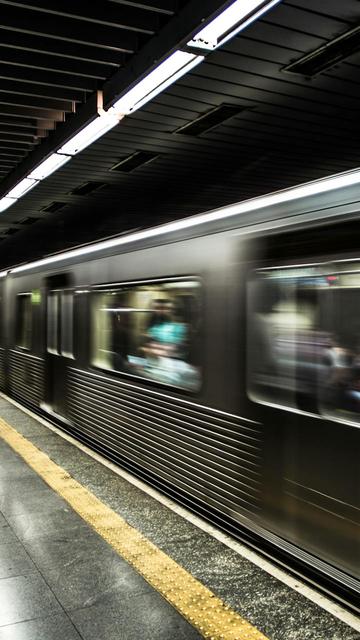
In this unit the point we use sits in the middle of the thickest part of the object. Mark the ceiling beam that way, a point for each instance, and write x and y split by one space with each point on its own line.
32 102
44 61
31 112
62 49
19 87
46 77
123 17
24 21
167 7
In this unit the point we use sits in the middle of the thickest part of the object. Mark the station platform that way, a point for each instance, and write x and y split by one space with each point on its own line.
88 552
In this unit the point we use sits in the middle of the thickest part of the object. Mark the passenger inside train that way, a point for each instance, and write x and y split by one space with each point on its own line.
150 331
305 339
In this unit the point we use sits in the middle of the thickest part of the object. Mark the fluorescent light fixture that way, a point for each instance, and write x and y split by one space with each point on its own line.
287 195
156 81
3 274
6 202
231 21
21 188
48 167
97 128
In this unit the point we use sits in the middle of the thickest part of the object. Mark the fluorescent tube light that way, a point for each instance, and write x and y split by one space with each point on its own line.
287 195
156 81
97 128
6 202
48 167
21 188
3 273
231 21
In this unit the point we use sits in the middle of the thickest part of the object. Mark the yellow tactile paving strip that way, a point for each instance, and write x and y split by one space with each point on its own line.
197 604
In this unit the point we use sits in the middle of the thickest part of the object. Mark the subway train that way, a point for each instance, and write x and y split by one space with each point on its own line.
218 358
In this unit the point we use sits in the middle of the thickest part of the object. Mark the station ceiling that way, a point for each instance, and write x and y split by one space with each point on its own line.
258 124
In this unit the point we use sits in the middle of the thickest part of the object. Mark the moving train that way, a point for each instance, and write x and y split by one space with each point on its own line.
218 358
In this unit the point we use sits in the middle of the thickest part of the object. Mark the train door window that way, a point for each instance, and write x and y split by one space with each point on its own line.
149 330
23 321
340 388
60 323
67 322
288 335
52 322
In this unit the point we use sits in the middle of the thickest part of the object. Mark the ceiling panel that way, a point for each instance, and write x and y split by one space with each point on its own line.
291 128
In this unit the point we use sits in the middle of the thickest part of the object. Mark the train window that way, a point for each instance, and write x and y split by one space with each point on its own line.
67 316
340 388
60 323
149 330
288 336
52 322
23 320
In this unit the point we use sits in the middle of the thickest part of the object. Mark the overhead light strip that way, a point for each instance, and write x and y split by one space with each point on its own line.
226 25
51 164
173 68
86 136
280 197
6 202
229 23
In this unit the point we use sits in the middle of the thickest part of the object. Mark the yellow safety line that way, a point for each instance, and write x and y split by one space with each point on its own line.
197 604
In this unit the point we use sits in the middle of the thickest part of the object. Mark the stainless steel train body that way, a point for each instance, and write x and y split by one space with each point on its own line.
242 446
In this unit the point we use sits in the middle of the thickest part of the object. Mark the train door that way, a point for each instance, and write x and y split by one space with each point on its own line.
303 378
59 341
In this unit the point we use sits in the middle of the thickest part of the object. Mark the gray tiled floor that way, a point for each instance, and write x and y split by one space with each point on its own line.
59 580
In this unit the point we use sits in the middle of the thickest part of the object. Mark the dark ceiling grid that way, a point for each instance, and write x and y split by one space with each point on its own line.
291 130
54 54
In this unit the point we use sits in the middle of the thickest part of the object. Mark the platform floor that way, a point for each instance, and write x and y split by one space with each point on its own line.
59 579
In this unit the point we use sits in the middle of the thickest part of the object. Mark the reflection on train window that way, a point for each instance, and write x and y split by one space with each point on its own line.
149 330
288 336
340 388
23 320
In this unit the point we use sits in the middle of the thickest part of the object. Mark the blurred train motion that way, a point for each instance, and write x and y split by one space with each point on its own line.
218 358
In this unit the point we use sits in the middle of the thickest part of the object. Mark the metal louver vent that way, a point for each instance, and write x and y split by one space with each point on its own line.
54 206
326 56
135 160
88 187
210 120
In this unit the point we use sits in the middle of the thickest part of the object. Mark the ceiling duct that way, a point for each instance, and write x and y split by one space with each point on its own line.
327 55
53 207
210 120
135 160
27 221
88 187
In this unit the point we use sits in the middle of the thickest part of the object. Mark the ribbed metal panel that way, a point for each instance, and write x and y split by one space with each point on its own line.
2 369
26 373
211 455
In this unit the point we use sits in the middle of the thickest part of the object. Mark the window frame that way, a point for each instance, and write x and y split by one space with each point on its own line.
128 284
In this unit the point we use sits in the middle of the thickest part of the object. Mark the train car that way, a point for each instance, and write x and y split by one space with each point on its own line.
218 358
